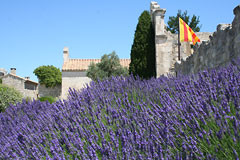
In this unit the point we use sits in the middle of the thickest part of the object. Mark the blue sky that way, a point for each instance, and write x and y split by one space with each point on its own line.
34 32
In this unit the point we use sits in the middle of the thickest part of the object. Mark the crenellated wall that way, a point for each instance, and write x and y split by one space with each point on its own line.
220 50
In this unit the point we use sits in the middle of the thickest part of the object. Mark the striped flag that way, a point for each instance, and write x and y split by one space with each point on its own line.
186 33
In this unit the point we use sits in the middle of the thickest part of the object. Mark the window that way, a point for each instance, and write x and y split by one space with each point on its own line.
29 85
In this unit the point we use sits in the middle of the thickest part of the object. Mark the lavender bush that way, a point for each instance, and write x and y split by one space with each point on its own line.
188 117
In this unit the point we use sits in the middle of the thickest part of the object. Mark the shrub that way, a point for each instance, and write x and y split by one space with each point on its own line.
8 96
0 81
50 99
48 75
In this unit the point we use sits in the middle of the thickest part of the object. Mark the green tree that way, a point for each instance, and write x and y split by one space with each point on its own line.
50 76
109 66
173 24
8 96
143 48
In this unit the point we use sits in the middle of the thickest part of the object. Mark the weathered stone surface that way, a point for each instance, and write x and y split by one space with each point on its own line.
19 84
223 26
220 50
166 43
3 72
50 91
73 82
65 54
236 11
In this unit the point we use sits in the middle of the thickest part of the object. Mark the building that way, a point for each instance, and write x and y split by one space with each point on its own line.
27 87
74 71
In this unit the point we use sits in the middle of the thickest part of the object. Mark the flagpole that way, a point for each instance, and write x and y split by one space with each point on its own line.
179 44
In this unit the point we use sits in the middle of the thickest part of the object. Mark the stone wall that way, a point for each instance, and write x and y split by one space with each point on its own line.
166 43
76 80
18 83
223 46
49 91
30 93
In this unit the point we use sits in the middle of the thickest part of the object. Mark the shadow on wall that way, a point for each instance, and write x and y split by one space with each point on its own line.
44 91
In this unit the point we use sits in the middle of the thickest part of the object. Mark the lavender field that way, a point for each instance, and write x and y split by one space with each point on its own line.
194 117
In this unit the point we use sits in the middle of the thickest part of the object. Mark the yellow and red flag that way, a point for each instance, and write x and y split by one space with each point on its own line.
186 33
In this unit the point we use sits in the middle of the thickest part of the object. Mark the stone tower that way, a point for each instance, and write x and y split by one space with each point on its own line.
162 58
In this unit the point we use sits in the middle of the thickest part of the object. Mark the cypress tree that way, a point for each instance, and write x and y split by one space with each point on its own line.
143 49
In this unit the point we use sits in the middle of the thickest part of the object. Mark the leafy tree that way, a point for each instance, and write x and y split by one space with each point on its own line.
109 66
173 24
8 96
143 48
50 76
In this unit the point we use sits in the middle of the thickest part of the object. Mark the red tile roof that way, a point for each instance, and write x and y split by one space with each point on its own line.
82 64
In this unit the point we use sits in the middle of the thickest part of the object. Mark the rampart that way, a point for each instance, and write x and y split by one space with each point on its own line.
166 43
222 47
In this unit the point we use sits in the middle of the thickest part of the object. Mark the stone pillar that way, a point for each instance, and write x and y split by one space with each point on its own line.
13 71
65 54
186 50
162 53
236 28
236 21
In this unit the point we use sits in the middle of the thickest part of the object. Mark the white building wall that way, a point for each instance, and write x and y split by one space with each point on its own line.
73 82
